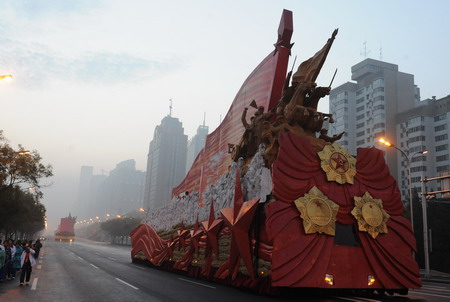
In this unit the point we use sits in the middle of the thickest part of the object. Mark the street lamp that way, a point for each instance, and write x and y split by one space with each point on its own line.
6 77
408 160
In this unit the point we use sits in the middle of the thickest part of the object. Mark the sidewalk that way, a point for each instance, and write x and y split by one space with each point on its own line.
435 276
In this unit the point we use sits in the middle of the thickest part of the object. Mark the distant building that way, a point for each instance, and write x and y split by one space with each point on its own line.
425 127
119 192
83 198
195 145
166 162
123 190
367 109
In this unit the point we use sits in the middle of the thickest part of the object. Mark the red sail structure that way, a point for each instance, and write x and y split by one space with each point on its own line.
264 85
310 215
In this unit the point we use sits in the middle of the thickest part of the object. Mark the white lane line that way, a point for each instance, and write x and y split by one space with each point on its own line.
34 285
357 299
198 283
80 258
39 266
365 299
40 261
434 290
126 283
138 267
93 265
422 293
111 258
433 286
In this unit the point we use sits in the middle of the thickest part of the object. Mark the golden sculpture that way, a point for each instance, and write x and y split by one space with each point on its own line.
339 165
370 215
318 212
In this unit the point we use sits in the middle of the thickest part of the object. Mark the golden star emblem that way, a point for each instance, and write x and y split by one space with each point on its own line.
339 165
370 215
318 212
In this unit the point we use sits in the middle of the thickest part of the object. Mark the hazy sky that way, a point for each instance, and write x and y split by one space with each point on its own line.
92 78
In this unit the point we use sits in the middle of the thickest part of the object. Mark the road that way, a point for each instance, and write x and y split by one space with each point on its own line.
82 271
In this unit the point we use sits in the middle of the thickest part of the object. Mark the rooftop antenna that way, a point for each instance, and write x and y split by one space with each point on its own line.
204 118
170 107
365 52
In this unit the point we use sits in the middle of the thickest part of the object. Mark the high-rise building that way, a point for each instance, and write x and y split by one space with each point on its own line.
166 162
195 145
123 190
366 109
425 127
120 192
82 205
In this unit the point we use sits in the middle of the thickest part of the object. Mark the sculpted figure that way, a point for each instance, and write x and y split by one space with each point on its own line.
325 137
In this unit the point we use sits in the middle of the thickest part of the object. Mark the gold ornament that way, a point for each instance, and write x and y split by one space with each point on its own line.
318 212
339 165
370 215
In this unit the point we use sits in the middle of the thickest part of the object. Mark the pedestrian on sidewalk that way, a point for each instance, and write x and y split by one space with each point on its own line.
10 250
2 262
16 262
37 248
27 262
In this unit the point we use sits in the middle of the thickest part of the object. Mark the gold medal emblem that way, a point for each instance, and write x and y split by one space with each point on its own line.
318 212
339 165
370 215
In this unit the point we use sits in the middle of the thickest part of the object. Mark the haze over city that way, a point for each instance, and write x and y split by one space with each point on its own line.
93 78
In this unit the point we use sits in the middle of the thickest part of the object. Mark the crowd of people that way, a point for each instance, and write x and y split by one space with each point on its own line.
18 256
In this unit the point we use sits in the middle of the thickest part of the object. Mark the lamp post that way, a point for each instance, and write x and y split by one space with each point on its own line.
408 160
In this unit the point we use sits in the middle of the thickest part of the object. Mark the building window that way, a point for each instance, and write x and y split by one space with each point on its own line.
419 138
440 117
378 98
440 128
379 125
441 137
360 125
415 179
379 116
360 117
361 108
361 133
441 147
360 142
378 107
359 101
419 169
415 120
359 92
442 168
379 89
376 135
442 157
418 158
415 129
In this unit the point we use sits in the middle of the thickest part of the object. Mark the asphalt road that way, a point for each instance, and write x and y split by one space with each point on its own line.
83 271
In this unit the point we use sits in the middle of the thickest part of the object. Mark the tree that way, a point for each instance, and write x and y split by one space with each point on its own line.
21 167
120 227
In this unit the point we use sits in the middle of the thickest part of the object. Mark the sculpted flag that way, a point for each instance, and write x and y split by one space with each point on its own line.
309 69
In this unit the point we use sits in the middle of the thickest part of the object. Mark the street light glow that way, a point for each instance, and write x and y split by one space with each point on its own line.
6 77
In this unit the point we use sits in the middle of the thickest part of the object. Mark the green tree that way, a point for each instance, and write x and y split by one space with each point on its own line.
120 227
21 167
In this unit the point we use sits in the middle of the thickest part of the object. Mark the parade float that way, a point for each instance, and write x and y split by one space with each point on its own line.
65 231
273 202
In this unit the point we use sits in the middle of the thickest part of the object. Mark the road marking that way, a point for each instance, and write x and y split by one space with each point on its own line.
40 261
111 258
39 266
80 258
126 283
433 286
198 283
93 265
357 299
34 285
138 267
422 293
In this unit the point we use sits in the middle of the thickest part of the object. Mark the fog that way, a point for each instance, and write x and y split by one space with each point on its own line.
93 78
